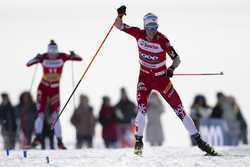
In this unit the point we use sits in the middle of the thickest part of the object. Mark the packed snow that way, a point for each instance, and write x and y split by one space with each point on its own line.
152 157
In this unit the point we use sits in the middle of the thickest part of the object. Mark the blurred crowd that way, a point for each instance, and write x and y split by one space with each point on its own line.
227 110
18 121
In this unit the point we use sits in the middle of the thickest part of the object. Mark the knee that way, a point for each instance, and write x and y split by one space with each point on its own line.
141 108
54 115
140 117
41 116
180 112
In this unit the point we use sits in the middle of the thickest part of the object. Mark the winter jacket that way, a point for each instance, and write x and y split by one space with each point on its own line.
84 121
126 111
8 118
108 120
217 112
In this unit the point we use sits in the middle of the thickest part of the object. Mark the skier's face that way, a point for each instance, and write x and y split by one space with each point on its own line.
151 29
52 51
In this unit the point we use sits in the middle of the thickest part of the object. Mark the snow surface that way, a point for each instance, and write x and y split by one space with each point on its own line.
152 157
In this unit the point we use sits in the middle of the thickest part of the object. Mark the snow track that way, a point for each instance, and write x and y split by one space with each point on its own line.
152 157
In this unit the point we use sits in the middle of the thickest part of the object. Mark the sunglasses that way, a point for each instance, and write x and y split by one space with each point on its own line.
151 27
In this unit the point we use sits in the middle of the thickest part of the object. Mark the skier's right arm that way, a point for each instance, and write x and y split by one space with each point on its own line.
121 11
35 60
133 31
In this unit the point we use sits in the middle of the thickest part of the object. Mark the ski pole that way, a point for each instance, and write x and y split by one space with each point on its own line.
73 83
198 74
33 78
86 70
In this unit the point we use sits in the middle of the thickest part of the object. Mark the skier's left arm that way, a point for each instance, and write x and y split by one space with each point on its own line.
35 60
175 59
73 57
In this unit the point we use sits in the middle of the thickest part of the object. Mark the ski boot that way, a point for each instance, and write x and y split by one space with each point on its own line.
204 146
37 141
138 145
60 144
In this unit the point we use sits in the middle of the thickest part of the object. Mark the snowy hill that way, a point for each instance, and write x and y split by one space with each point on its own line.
153 157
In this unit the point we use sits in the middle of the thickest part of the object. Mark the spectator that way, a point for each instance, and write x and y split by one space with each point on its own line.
243 127
108 120
233 117
154 132
219 107
199 110
84 121
8 122
126 113
26 114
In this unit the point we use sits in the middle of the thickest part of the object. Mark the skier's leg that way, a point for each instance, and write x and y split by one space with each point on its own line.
55 106
51 140
143 91
171 96
58 128
41 104
39 123
58 131
173 99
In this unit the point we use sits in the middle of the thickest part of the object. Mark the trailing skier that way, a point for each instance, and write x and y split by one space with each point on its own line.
48 89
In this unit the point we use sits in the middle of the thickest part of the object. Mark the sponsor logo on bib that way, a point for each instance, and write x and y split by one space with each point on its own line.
149 46
53 63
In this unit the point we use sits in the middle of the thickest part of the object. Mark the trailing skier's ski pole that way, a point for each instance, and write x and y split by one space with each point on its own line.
92 60
73 84
198 74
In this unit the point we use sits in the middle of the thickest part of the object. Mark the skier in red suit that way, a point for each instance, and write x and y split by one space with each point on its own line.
48 89
153 49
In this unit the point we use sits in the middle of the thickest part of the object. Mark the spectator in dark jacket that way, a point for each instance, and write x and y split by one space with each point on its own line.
26 114
227 109
126 113
108 120
236 123
8 122
84 121
199 110
243 127
218 110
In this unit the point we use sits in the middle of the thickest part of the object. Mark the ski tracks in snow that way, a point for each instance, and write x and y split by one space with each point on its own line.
152 157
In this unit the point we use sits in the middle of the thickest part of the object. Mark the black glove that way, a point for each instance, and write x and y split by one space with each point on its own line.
72 53
121 11
38 56
170 72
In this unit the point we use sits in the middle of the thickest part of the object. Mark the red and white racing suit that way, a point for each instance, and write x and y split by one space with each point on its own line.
48 89
152 59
